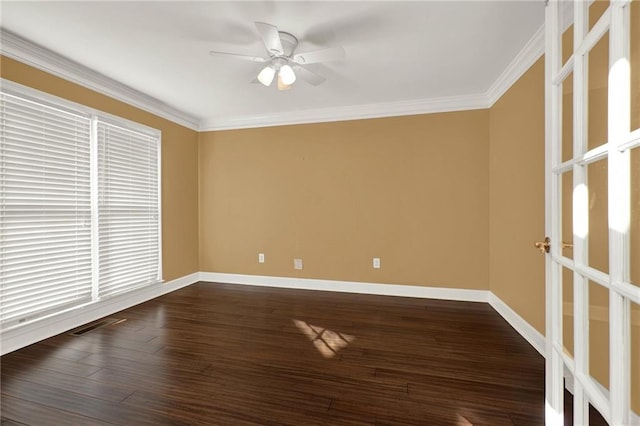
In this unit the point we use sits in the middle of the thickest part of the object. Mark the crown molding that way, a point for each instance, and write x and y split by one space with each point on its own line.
20 49
344 113
529 54
30 53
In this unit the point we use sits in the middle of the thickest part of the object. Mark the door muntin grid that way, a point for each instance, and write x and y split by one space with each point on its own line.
614 23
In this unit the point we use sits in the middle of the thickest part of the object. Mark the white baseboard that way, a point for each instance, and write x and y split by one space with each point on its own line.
43 328
466 295
526 330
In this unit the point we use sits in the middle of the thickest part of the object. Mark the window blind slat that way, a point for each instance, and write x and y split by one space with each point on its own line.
43 284
17 136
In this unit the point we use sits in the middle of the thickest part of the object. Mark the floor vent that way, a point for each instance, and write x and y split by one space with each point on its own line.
95 325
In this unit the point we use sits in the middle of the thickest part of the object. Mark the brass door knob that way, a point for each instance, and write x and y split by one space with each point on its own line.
544 246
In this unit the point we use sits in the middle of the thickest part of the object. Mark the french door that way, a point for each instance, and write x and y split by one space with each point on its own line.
592 214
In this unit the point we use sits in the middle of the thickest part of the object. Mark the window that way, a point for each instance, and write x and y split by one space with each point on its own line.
79 205
128 209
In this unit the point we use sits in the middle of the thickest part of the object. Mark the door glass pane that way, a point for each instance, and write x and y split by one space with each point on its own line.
599 333
567 310
596 10
598 215
567 212
567 118
566 15
635 357
635 217
635 64
598 96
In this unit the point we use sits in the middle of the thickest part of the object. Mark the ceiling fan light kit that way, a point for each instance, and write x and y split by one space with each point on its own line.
266 75
287 75
283 63
282 86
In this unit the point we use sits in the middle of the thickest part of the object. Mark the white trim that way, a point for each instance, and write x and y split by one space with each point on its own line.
526 330
530 53
619 202
344 113
569 385
20 49
466 295
46 327
554 377
581 339
13 46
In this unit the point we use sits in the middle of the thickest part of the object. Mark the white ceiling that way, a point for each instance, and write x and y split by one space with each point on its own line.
396 51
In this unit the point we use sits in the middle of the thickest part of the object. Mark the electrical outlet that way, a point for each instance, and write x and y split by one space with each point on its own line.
260 257
376 263
297 263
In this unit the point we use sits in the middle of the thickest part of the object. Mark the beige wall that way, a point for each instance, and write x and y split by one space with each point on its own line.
179 163
410 190
516 196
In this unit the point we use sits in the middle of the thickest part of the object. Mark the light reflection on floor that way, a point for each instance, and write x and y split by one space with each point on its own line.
327 342
462 421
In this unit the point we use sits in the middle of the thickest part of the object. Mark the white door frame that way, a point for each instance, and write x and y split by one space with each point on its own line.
614 404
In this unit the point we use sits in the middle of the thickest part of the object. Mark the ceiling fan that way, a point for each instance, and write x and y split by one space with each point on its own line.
283 62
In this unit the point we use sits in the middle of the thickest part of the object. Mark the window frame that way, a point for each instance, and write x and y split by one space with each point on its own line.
95 116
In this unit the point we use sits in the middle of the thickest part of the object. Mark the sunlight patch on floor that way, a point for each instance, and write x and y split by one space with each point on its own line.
327 342
462 421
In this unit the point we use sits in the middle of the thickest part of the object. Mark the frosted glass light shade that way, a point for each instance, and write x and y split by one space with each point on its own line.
287 75
266 75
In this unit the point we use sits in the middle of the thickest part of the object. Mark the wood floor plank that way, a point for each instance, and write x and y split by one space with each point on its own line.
215 354
22 412
26 360
84 406
68 382
45 349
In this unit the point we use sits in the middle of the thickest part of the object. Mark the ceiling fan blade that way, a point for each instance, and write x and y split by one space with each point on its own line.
237 56
358 27
309 76
322 55
271 38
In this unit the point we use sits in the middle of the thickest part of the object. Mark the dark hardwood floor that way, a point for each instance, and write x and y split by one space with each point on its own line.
239 355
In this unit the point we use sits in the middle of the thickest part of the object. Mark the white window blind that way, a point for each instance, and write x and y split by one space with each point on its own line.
79 205
45 209
128 209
